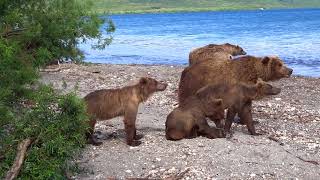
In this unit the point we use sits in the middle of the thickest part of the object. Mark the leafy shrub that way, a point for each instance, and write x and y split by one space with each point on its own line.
56 124
32 34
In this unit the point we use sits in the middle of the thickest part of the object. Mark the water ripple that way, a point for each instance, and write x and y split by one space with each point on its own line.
294 35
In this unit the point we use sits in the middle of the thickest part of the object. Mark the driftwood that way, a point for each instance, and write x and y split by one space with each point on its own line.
16 166
52 69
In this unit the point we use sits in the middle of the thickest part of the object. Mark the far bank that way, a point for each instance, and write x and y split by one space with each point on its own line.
165 6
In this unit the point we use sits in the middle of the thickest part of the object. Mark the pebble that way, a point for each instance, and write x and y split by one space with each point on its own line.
128 171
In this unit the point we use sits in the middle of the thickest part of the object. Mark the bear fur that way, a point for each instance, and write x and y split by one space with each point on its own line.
109 103
245 69
237 98
189 119
215 52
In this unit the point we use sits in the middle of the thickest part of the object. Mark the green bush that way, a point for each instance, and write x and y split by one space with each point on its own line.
56 124
33 33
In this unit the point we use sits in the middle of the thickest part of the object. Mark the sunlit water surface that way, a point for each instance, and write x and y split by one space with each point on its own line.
294 35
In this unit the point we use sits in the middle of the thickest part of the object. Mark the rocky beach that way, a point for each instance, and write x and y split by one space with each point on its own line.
289 122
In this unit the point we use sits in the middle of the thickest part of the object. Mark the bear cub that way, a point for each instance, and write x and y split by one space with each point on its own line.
109 103
189 119
238 98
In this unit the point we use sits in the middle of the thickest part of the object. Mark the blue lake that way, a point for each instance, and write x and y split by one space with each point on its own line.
167 38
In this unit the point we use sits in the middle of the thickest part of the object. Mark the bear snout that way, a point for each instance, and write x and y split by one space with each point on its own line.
161 86
288 72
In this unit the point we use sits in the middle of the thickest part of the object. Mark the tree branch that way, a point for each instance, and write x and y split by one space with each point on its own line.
14 32
16 166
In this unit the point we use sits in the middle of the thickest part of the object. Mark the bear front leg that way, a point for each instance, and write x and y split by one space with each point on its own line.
194 132
130 125
90 137
218 122
231 113
209 132
137 136
246 115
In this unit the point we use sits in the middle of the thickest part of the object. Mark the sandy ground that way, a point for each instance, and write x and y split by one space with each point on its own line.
288 148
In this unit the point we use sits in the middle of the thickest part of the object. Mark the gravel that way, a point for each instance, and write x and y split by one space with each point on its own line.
288 148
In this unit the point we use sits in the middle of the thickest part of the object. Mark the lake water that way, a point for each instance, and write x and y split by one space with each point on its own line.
167 38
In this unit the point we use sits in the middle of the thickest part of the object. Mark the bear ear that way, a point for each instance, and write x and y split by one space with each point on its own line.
265 60
218 102
143 81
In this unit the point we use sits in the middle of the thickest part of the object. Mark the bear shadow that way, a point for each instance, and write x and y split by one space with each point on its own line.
121 134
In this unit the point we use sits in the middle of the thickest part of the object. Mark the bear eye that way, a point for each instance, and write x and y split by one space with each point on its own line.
280 65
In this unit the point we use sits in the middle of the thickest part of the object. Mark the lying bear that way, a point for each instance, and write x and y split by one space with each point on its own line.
215 52
237 98
109 103
189 119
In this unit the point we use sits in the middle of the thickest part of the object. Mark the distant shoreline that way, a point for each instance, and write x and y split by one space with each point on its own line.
165 66
186 10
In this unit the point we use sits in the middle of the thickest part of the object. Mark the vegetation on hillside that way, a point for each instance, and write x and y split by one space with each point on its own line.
142 6
32 34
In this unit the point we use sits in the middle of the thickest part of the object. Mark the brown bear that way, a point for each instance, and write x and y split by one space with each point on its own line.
109 103
245 69
215 52
189 119
237 99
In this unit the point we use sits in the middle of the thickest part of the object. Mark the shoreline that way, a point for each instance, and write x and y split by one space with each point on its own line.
289 122
173 65
186 10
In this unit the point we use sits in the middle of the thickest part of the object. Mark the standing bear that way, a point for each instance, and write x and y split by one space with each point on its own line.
245 69
215 52
109 103
236 97
189 119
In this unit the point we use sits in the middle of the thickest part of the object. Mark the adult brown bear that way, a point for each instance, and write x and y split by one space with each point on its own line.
245 69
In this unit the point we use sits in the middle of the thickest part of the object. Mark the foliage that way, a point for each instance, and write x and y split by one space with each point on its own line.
57 124
51 29
32 34
143 6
